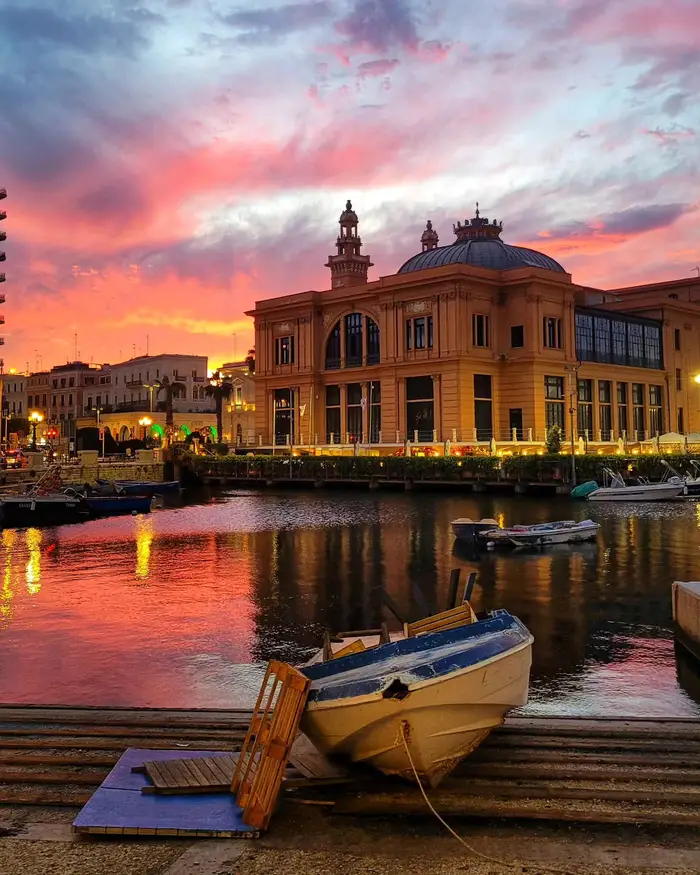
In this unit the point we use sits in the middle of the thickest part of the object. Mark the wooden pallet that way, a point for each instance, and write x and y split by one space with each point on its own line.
191 775
261 765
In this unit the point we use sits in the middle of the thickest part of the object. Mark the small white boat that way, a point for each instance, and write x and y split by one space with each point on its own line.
618 490
436 693
543 534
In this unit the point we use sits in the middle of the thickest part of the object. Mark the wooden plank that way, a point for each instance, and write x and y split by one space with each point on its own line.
174 733
354 647
21 776
72 799
603 743
569 771
312 764
108 744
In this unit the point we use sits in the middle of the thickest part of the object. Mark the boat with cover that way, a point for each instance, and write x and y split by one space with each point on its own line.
618 490
422 698
465 529
148 487
43 505
543 534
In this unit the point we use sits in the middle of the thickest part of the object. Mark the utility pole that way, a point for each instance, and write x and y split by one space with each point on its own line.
572 373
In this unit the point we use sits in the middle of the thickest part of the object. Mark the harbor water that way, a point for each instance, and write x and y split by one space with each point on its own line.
182 607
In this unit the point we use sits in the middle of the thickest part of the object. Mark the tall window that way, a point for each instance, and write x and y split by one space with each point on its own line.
420 408
284 415
480 330
354 411
638 417
605 409
619 341
284 351
635 344
676 338
656 411
585 409
483 407
517 336
652 346
333 349
419 333
373 342
551 333
554 402
375 411
602 339
679 384
333 414
353 340
680 423
584 337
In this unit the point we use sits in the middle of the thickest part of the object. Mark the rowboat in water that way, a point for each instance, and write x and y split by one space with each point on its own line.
414 703
543 534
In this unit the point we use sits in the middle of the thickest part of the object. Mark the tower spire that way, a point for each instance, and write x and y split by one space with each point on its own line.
477 228
348 266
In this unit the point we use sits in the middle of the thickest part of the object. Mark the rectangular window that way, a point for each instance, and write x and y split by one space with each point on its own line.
480 330
353 340
585 349
63 382
420 409
517 336
605 409
333 415
551 333
638 415
676 338
70 400
554 403
619 341
602 339
284 351
483 407
63 400
99 399
680 424
409 334
71 381
652 346
585 409
431 337
375 411
373 342
43 400
635 340
656 411
354 412
679 384
419 333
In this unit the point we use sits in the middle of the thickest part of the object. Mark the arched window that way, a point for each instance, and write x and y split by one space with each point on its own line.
353 340
333 349
373 345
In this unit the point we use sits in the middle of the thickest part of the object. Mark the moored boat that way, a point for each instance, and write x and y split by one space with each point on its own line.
465 529
148 487
618 490
32 510
434 691
543 534
114 505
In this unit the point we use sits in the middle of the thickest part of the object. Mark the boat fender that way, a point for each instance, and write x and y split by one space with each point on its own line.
397 689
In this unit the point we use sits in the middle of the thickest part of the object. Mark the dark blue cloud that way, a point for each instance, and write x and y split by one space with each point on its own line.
272 23
378 25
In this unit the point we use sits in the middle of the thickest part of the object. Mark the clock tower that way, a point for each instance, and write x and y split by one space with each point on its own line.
348 267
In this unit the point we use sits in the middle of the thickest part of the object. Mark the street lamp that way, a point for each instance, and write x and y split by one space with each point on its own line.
35 418
145 422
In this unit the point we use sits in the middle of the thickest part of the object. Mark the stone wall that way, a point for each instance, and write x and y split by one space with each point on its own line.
88 473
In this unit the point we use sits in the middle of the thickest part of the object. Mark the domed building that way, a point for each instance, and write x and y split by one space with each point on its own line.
470 344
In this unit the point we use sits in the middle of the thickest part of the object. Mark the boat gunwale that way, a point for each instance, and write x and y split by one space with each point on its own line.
314 705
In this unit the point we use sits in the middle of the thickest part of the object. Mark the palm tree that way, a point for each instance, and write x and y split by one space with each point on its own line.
220 390
171 390
250 360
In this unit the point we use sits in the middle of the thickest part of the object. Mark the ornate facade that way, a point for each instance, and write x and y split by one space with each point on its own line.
469 343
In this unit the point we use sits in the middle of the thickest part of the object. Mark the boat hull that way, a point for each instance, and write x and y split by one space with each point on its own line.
542 536
443 718
148 488
652 492
35 512
114 505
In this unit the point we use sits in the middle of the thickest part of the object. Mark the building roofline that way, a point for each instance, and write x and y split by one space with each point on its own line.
161 355
668 284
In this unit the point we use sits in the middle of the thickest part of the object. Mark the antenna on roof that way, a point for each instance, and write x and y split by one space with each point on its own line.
698 270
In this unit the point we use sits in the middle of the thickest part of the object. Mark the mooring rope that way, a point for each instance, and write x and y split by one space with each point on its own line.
404 736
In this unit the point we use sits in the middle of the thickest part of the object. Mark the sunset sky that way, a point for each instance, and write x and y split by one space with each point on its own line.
171 161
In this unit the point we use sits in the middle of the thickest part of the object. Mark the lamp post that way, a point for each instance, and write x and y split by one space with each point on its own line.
35 418
151 388
145 422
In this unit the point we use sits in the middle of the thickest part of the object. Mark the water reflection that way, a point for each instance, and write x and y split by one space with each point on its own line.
172 608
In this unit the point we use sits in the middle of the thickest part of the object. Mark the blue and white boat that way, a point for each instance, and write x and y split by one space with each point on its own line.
115 505
435 695
148 487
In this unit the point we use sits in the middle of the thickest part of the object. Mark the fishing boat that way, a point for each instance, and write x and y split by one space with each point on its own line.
34 511
691 479
543 534
414 703
115 505
148 487
618 490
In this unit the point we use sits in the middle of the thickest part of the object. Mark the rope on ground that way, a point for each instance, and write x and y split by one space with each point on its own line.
404 733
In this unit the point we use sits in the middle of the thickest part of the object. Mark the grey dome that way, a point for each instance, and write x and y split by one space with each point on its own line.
491 253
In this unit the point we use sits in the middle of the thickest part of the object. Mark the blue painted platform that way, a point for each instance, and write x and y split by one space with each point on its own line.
118 807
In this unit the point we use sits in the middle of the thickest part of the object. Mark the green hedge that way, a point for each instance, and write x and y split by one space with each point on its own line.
545 469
